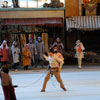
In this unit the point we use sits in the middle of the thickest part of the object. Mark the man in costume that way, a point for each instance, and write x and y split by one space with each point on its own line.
6 83
55 63
33 52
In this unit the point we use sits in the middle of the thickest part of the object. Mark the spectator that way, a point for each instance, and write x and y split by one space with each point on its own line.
79 52
40 50
15 53
26 57
33 52
4 52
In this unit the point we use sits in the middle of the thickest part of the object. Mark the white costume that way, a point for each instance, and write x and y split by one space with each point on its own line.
15 53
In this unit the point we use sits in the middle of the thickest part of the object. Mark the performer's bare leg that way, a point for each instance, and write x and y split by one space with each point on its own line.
80 63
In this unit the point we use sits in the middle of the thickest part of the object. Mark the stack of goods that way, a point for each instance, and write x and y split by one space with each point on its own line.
54 4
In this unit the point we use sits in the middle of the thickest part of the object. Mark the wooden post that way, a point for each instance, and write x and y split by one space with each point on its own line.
37 3
0 30
0 3
71 8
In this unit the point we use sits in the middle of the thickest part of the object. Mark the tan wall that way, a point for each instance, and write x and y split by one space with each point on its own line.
72 8
32 14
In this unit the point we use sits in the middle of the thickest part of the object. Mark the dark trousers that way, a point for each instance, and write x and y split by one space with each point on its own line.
26 67
9 93
15 65
4 63
39 61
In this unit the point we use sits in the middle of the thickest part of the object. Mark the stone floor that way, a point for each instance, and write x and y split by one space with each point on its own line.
82 84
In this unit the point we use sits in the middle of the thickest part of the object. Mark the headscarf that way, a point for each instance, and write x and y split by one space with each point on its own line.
26 45
77 41
3 43
12 47
39 38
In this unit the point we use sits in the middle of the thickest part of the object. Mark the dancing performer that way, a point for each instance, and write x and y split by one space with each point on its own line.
54 62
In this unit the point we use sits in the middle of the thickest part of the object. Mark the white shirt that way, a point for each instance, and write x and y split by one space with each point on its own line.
54 61
15 53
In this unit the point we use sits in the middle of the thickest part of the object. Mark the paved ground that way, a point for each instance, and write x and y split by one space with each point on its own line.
82 84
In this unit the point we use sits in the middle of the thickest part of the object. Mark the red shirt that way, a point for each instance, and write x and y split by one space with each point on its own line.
79 48
5 54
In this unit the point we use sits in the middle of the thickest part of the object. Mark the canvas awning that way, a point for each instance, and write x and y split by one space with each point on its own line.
87 23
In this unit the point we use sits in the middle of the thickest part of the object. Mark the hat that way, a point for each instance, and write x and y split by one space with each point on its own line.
51 50
4 41
77 41
5 70
30 39
39 37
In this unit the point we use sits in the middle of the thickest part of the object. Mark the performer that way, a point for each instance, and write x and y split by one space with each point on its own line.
59 45
6 83
79 52
33 52
59 55
15 53
54 63
26 57
4 52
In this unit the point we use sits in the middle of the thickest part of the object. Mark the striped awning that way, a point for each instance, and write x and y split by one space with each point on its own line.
87 23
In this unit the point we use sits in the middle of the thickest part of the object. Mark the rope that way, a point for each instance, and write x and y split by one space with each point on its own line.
28 85
52 82
51 79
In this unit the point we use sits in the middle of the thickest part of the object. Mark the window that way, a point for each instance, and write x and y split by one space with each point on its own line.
27 3
6 4
32 3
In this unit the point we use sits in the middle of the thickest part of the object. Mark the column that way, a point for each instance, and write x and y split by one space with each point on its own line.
71 8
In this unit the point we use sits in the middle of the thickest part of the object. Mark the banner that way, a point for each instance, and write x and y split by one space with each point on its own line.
90 1
91 9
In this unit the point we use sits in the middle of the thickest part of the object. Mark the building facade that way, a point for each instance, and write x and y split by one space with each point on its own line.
25 23
83 23
78 19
